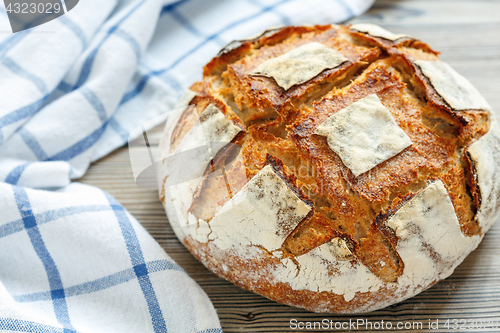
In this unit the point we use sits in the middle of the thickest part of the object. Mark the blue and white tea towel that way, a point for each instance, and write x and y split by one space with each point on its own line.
72 259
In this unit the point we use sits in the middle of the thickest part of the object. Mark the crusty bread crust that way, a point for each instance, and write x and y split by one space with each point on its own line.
352 252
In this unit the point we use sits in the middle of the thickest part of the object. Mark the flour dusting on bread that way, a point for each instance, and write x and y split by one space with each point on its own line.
364 134
456 90
324 270
211 126
485 155
430 241
263 213
300 65
377 31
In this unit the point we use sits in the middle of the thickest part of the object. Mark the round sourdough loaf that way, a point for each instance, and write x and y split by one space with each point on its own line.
333 168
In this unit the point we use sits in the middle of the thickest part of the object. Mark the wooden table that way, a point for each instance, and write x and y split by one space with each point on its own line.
468 35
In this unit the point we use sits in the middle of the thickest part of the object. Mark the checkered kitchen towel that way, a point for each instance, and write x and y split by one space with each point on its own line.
72 259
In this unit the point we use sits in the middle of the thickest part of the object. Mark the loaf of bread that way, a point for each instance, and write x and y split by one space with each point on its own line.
334 168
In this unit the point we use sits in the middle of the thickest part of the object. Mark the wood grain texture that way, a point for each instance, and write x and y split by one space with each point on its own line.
467 33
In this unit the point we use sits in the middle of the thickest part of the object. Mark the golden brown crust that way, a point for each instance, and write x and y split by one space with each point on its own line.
262 92
225 57
279 130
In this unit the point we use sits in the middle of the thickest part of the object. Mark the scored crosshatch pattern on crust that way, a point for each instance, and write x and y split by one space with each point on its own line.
352 207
